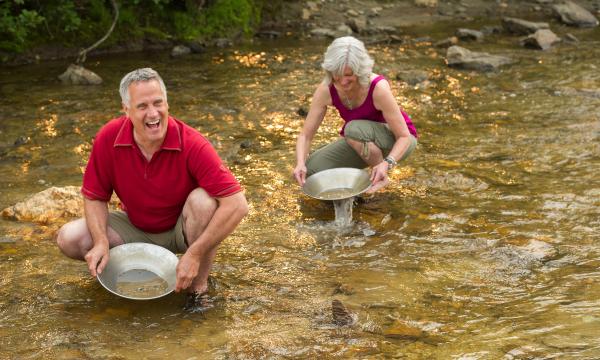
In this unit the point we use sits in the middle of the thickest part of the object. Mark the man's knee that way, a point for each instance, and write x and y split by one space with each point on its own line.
199 204
72 238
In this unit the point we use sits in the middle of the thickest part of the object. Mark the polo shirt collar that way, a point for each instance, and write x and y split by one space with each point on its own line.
172 139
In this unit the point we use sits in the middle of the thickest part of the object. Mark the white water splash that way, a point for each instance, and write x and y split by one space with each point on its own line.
343 211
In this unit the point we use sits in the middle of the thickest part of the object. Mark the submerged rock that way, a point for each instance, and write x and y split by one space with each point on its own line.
341 315
460 57
412 77
401 330
539 250
78 75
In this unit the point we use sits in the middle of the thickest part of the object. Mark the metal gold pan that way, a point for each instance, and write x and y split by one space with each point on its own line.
144 260
337 183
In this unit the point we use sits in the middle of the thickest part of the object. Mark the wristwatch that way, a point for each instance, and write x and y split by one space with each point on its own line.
391 162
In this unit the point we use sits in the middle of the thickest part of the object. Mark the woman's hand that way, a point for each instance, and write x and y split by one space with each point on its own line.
379 177
300 174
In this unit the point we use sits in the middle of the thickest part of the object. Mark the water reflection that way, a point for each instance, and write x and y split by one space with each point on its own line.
485 246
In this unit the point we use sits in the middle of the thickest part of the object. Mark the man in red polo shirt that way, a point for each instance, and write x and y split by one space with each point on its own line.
174 190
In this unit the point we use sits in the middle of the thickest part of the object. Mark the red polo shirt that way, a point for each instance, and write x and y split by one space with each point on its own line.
153 192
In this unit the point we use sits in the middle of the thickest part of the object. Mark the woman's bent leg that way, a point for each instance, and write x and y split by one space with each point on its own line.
335 155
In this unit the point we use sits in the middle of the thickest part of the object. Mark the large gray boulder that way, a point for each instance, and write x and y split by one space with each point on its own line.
522 27
78 75
574 15
460 57
542 39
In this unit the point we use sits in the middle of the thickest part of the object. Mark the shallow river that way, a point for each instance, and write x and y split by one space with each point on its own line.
485 246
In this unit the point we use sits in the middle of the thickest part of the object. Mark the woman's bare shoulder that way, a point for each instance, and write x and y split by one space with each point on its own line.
322 94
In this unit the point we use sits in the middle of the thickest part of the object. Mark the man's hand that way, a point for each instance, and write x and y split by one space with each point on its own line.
187 270
379 177
300 174
97 258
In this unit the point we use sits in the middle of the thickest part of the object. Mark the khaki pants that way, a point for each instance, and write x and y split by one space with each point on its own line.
173 239
340 154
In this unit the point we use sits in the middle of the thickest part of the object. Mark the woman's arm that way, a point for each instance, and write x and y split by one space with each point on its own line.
384 101
318 107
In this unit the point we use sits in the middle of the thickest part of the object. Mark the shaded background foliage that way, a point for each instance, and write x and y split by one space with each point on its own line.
25 24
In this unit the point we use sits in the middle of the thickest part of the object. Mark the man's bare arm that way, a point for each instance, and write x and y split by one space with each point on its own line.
229 213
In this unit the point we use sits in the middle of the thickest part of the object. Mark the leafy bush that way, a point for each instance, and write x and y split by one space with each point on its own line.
16 25
25 24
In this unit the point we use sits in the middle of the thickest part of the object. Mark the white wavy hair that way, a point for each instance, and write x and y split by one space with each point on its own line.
143 74
351 52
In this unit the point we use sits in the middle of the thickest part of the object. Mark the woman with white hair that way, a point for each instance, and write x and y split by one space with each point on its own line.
376 133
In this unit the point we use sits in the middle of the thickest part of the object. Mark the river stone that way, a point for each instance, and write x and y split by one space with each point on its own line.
22 140
47 205
491 29
322 32
343 30
78 75
468 34
574 15
522 27
542 39
50 205
426 3
460 57
180 50
401 330
341 315
447 42
571 38
358 24
352 13
222 42
306 14
412 77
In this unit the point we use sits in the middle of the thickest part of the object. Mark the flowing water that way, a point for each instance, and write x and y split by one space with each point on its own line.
485 245
343 211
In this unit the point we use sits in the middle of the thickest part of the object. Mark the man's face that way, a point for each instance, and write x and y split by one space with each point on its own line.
149 111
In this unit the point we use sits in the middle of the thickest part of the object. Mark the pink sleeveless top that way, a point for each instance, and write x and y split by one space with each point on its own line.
366 111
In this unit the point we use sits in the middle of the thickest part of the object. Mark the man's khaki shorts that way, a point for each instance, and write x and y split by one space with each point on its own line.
173 239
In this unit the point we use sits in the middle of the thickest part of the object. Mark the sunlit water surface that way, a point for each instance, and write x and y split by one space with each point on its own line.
486 241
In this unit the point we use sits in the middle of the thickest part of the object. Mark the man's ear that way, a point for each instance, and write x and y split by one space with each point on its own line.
124 108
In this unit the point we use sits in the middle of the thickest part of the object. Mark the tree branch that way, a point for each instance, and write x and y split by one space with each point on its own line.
83 53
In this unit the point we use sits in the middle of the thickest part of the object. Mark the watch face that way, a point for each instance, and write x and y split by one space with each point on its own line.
390 163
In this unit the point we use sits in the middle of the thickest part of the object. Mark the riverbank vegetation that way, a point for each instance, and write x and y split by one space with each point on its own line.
28 24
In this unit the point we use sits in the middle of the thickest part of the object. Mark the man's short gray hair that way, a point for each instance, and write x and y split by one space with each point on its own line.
351 52
144 74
